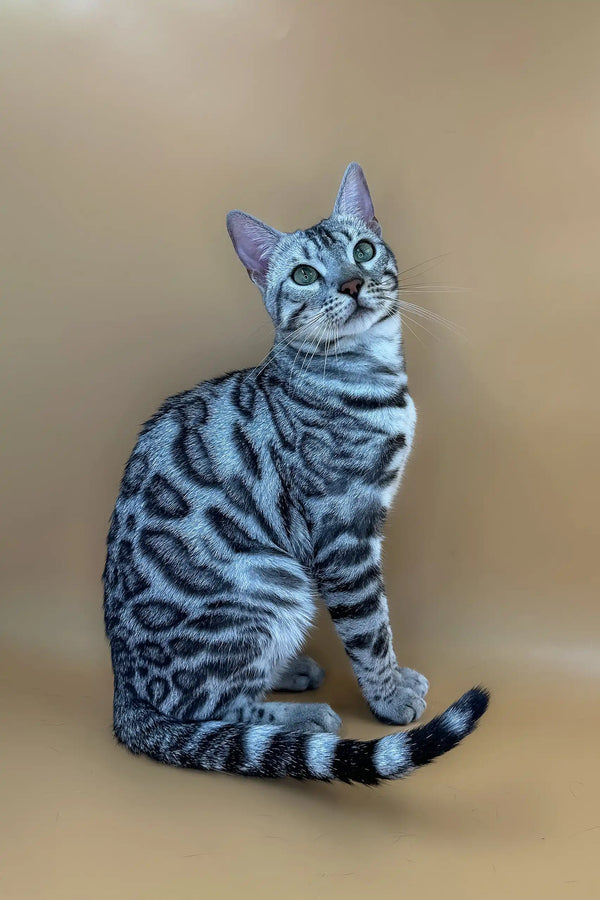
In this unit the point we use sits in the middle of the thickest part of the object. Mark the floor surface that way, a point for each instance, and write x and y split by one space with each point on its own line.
512 812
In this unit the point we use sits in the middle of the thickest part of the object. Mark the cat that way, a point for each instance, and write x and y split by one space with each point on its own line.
252 492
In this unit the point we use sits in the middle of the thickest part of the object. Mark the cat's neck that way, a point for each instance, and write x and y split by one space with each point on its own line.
372 359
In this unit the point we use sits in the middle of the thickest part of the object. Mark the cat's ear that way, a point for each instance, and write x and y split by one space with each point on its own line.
254 243
354 199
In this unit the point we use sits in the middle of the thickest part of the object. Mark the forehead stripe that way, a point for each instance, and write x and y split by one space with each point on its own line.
306 246
326 236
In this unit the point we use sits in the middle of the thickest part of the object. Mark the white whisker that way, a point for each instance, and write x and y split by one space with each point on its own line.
308 361
432 259
432 334
432 317
414 333
277 348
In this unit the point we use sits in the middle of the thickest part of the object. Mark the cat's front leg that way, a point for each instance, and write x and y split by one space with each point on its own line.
351 585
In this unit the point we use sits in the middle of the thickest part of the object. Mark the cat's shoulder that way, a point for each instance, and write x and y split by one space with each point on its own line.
194 401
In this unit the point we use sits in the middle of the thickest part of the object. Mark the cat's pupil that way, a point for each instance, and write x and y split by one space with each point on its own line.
305 275
364 251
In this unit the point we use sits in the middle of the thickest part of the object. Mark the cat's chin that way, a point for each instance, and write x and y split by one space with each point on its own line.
360 320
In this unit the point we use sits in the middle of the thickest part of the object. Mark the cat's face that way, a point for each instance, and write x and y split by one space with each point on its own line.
337 278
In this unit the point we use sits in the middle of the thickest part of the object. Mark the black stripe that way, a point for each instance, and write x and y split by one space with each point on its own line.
353 584
235 757
313 236
326 235
392 445
217 620
135 472
387 478
357 610
225 700
216 750
247 452
173 558
132 580
191 456
236 537
178 742
359 641
353 761
298 767
241 496
281 577
382 642
163 500
243 395
347 556
279 418
157 615
285 755
294 316
188 710
190 756
396 399
277 300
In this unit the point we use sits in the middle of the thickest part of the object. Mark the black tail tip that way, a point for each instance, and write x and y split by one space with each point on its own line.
448 729
473 704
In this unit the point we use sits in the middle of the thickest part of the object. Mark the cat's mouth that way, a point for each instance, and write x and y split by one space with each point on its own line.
365 311
359 318
361 308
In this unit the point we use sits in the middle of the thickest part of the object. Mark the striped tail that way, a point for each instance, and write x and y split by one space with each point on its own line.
269 751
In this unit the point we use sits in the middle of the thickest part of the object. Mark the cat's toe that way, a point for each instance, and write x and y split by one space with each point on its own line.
404 707
313 672
414 680
324 718
302 674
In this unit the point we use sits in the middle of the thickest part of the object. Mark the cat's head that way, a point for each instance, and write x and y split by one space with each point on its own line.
337 277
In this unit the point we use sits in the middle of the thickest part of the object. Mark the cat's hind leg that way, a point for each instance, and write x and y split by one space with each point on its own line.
301 674
307 717
278 594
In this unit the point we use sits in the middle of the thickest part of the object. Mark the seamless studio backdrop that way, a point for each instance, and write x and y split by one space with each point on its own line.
128 131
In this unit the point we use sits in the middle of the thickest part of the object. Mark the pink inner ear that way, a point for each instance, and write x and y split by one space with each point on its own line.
254 241
354 198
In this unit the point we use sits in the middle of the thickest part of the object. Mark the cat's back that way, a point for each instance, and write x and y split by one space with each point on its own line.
180 441
203 448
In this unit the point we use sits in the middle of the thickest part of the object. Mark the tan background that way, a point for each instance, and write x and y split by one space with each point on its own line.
128 130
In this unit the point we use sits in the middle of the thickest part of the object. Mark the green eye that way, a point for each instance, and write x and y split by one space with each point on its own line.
364 251
305 275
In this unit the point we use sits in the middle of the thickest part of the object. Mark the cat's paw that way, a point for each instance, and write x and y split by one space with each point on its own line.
302 674
401 707
413 680
313 717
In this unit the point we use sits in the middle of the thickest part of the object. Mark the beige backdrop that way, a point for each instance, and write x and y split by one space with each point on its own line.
128 129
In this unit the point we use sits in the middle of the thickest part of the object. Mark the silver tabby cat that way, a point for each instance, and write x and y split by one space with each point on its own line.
248 495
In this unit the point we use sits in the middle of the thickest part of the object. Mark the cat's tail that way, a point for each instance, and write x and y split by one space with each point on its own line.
269 751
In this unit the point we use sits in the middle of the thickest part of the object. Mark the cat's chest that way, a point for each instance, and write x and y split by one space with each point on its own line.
352 452
376 423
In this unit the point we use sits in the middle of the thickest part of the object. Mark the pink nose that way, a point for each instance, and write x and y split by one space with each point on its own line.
352 287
